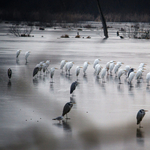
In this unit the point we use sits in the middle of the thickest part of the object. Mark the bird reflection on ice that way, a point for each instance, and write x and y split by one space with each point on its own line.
9 84
35 82
119 87
140 136
51 86
65 125
85 78
17 61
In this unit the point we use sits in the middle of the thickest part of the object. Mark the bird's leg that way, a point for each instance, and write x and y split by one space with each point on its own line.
110 73
140 126
67 117
107 72
119 81
103 81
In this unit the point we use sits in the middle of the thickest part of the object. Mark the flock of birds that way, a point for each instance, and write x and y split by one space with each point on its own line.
99 71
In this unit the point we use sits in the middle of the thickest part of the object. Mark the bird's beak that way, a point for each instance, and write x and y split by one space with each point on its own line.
146 110
73 62
135 72
88 63
56 68
80 67
99 59
66 60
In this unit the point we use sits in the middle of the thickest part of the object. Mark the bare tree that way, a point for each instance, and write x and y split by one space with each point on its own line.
21 30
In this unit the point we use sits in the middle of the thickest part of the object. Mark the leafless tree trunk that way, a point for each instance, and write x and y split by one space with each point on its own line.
103 20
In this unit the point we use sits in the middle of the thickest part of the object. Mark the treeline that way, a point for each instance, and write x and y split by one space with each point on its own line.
74 10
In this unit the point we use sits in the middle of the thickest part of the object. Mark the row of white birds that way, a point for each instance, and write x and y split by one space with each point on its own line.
100 72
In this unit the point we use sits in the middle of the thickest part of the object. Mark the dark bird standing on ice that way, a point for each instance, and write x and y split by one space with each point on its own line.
73 86
35 71
66 110
139 117
9 72
131 70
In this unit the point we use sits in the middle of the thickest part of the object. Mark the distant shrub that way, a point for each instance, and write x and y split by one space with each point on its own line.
77 36
65 36
41 28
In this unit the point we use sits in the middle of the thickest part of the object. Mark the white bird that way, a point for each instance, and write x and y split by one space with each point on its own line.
78 70
85 66
47 64
62 64
18 53
40 66
52 73
98 69
108 65
69 66
140 115
117 66
131 76
139 75
127 68
142 65
44 66
103 73
120 73
148 78
111 66
96 61
27 55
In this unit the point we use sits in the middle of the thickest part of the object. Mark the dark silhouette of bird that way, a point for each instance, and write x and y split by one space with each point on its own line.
131 70
139 117
121 37
67 109
9 72
117 33
35 71
73 86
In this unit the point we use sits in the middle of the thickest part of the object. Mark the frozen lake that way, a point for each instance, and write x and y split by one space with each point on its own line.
104 114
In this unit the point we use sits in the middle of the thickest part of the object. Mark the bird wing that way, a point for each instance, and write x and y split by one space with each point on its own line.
139 117
35 71
72 88
66 108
